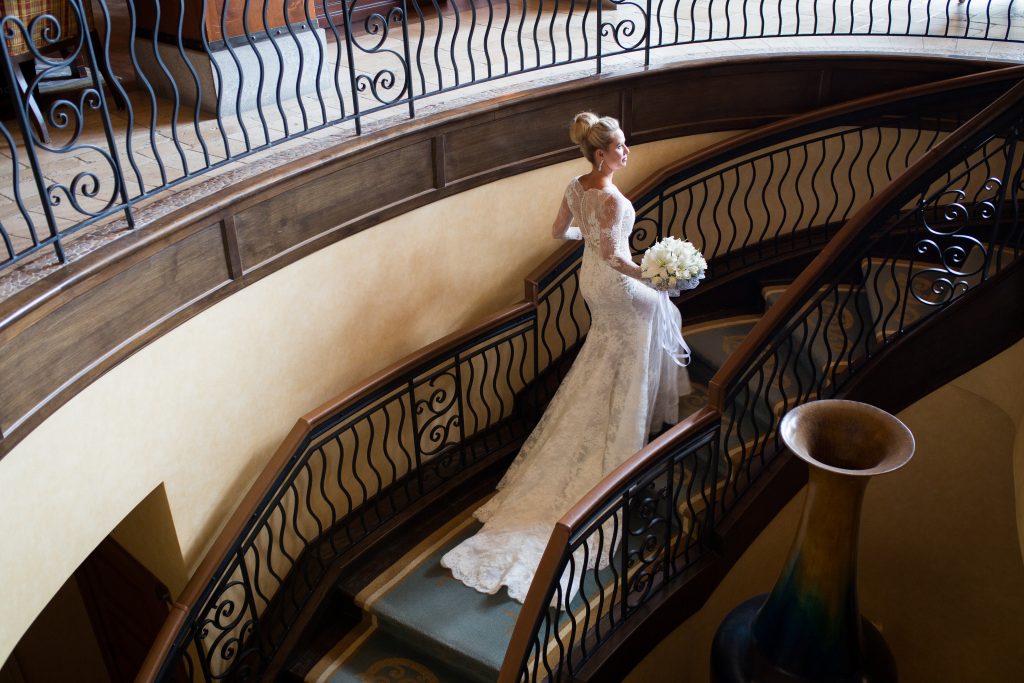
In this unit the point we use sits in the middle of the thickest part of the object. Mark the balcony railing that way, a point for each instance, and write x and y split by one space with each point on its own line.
926 242
107 109
370 458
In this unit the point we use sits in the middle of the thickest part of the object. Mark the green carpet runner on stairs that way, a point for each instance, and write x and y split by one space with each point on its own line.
421 625
422 622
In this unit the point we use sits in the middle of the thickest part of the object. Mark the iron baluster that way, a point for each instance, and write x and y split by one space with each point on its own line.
349 39
205 40
272 39
998 202
241 80
26 131
408 58
108 129
647 35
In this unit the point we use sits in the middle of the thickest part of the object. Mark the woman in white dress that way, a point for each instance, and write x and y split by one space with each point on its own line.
622 386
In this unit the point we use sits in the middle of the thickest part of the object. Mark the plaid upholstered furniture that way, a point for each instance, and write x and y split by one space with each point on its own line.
28 10
44 37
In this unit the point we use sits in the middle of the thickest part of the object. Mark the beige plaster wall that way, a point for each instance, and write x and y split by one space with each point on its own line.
147 532
940 571
1003 386
200 410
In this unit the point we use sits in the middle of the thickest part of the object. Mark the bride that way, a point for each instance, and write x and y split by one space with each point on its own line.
622 386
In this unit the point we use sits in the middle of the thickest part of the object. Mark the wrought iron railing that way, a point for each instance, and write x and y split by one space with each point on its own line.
950 222
200 85
794 188
948 226
359 464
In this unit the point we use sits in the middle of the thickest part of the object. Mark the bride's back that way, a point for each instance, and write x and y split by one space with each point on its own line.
601 211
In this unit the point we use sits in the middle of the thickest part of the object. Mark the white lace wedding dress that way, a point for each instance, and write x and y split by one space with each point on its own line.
621 386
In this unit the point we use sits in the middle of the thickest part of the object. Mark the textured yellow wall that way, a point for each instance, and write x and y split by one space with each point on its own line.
201 409
940 569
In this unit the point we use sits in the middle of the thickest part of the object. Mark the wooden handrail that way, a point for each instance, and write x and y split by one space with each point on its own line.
729 147
754 137
275 467
548 570
798 292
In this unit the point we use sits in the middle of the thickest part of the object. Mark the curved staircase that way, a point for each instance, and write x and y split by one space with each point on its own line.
405 613
838 241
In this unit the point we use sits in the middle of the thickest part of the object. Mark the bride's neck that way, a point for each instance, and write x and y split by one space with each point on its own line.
598 179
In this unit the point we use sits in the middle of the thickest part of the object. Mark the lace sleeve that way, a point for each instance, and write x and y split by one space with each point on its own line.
562 228
609 217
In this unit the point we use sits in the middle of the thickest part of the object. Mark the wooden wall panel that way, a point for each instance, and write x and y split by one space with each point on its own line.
516 135
76 336
279 223
64 331
848 82
671 106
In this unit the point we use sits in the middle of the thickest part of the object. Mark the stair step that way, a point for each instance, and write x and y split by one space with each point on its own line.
421 622
371 654
420 602
713 341
417 611
772 292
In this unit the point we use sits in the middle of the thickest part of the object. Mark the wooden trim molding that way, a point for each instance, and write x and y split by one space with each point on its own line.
60 334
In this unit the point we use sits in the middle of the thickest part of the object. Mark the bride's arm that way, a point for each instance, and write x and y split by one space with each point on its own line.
562 228
611 216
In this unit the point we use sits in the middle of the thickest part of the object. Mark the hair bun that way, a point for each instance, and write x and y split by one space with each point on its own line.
580 127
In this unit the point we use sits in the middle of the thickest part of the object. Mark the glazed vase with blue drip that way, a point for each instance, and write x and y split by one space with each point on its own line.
809 628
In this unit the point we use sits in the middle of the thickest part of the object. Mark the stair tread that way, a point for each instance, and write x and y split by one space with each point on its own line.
373 654
415 608
420 600
712 342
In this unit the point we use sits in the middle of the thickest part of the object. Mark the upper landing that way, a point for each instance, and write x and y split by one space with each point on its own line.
205 109
193 169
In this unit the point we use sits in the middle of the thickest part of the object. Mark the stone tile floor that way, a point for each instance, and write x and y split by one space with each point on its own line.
156 145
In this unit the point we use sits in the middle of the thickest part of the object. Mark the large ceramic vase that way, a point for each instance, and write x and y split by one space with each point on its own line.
809 628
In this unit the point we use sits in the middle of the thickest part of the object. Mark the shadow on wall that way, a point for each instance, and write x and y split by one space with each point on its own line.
99 625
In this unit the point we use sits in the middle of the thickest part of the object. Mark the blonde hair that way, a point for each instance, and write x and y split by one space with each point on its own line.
592 132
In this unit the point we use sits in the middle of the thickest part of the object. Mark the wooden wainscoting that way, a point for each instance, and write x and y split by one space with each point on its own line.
63 332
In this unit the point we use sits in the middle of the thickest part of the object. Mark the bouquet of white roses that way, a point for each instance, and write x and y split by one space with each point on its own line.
673 264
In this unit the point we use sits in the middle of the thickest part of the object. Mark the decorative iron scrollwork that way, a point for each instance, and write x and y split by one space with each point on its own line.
382 84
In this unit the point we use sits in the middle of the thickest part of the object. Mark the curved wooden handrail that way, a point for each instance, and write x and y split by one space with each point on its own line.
757 136
248 507
303 428
859 223
549 568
